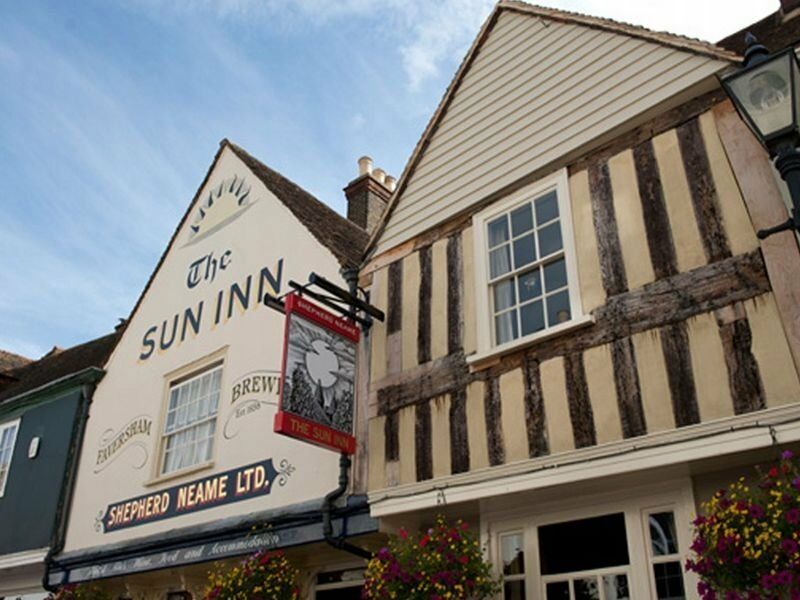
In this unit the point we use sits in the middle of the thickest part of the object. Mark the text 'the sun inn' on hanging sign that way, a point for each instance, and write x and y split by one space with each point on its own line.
318 377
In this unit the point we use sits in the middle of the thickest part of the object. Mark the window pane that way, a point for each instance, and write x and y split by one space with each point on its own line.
506 327
499 261
530 285
615 587
521 220
546 208
514 590
558 308
550 239
587 589
555 275
663 538
669 581
498 231
563 547
512 553
532 317
524 251
504 296
558 590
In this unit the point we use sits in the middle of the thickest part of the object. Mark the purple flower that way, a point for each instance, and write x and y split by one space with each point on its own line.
767 581
698 545
756 512
789 546
793 516
796 483
783 578
787 455
732 596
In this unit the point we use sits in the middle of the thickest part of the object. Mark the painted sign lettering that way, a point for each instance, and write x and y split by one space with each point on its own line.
112 442
205 268
239 296
223 488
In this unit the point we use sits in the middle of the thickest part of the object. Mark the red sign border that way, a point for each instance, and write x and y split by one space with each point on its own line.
284 420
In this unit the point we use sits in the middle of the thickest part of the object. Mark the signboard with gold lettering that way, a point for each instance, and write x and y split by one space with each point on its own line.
319 372
245 482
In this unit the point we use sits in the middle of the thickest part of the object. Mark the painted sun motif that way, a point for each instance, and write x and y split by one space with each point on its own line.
224 203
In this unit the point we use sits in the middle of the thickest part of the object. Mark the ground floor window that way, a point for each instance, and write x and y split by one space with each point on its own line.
631 550
345 584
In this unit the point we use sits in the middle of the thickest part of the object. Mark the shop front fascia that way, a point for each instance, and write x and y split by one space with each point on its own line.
180 466
584 337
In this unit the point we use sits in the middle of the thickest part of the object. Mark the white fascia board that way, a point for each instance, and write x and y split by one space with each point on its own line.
707 440
21 559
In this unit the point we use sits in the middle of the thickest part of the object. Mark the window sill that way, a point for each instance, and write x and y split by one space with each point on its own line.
180 473
486 358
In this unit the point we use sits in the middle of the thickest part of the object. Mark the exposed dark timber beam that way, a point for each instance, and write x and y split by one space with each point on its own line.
424 306
743 373
580 408
459 436
657 304
423 444
493 412
535 419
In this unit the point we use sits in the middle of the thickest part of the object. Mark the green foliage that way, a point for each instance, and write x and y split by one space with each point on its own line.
82 591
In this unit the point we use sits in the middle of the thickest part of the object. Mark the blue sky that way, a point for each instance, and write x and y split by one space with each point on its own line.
112 110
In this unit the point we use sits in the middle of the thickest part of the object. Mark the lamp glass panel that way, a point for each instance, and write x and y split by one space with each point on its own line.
765 94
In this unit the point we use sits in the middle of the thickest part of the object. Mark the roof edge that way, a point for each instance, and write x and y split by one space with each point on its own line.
672 40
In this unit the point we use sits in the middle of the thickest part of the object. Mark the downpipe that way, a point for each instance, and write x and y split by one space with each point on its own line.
339 542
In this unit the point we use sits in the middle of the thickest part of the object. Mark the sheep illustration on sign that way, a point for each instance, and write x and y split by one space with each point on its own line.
318 377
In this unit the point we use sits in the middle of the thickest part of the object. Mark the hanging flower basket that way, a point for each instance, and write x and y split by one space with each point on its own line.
747 545
261 576
444 562
82 591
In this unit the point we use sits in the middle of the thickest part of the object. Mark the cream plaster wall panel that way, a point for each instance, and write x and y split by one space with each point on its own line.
410 310
591 282
709 368
476 427
685 234
653 381
376 447
556 406
468 293
440 432
515 432
406 436
630 220
738 227
602 393
377 333
251 342
439 299
775 364
527 102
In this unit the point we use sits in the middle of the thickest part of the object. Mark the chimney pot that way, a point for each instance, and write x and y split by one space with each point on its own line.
390 183
379 175
364 166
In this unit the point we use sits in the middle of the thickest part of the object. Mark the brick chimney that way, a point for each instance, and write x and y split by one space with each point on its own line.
368 194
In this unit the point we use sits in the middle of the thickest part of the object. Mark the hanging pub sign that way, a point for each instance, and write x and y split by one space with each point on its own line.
318 377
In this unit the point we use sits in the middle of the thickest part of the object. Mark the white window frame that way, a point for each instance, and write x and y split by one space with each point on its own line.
185 375
636 503
559 183
324 587
3 427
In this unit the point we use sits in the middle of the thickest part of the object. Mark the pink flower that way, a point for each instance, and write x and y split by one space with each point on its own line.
793 516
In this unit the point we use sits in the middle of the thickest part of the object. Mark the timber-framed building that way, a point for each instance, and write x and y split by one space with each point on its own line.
584 336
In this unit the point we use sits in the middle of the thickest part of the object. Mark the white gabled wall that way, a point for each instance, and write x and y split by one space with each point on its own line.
250 341
537 91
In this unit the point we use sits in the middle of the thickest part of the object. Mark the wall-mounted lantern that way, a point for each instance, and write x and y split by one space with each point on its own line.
766 94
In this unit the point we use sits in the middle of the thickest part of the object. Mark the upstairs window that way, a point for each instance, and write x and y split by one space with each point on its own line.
526 274
8 436
191 420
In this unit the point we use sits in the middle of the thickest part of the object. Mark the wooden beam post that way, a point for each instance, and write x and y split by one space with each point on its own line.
754 174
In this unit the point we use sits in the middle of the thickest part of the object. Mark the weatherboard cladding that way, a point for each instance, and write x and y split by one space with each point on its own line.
682 336
536 89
